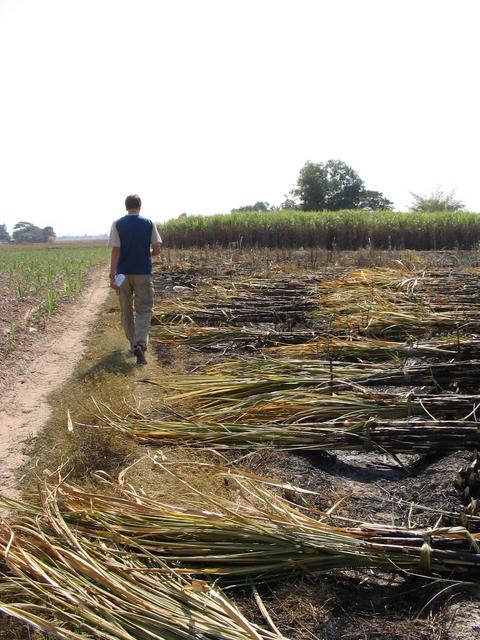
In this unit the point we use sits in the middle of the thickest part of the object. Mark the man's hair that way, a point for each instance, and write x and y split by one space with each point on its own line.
133 202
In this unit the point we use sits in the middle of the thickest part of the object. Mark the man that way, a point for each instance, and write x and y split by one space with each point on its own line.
131 238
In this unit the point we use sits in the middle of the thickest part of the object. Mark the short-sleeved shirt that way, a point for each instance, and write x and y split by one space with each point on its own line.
134 235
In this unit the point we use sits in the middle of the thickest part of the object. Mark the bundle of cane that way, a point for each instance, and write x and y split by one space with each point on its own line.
259 376
407 436
74 586
259 536
376 349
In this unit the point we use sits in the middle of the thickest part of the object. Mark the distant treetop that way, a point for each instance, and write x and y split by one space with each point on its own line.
28 232
438 200
332 186
258 206
4 235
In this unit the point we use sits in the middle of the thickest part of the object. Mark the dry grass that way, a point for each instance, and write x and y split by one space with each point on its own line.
106 375
222 260
336 607
13 630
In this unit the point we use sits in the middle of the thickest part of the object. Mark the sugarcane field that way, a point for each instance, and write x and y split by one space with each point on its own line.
298 458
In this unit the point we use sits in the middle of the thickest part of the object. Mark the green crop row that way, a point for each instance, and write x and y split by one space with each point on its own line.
47 275
342 230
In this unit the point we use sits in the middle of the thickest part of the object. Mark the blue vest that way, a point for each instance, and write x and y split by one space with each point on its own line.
135 238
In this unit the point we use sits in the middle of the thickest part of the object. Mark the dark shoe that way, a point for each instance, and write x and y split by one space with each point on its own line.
139 354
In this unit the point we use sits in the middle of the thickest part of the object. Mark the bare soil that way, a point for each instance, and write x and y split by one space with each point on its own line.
40 363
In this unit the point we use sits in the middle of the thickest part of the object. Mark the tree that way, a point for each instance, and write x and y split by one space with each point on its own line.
48 234
4 235
24 232
334 185
258 206
28 232
436 201
288 203
373 201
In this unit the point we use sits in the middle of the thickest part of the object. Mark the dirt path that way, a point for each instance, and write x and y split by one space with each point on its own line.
24 408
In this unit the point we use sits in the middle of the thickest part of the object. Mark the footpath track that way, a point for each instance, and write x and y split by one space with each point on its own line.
24 407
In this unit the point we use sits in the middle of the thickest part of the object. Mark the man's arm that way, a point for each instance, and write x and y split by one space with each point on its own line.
114 242
155 240
114 258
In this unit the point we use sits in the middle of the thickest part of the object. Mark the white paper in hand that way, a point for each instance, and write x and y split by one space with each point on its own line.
119 280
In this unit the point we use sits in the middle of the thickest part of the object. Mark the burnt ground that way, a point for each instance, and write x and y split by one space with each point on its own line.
374 487
363 603
365 487
350 605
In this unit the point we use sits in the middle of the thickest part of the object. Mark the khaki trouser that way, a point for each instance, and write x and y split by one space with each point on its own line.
136 305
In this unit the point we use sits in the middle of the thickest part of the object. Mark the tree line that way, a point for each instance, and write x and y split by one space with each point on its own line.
26 232
333 186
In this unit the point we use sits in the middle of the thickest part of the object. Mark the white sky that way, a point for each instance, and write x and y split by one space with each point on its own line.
205 105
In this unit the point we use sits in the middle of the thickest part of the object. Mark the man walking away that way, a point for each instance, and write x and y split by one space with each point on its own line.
131 238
